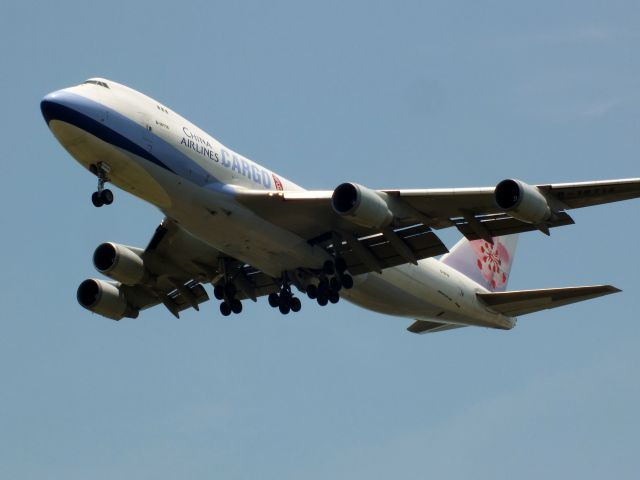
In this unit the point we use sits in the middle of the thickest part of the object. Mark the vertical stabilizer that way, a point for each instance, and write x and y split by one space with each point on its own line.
486 264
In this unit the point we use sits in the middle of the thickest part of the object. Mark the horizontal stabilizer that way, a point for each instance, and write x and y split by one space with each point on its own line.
422 326
522 302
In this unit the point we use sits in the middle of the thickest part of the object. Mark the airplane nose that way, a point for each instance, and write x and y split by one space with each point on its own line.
51 104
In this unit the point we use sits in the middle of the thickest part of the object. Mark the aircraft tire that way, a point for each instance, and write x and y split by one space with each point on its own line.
274 300
334 284
106 196
323 287
225 309
236 306
312 291
96 199
322 300
347 281
334 297
284 308
296 305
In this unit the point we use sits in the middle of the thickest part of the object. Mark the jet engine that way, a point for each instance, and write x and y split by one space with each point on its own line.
105 299
522 201
120 263
361 206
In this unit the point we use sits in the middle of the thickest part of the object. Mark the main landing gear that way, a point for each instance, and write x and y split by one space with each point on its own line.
284 300
103 196
227 293
328 282
333 279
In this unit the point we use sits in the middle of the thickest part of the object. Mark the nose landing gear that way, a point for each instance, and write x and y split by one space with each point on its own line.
103 196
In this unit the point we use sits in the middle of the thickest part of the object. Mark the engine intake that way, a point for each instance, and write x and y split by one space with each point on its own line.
361 205
120 263
105 299
522 201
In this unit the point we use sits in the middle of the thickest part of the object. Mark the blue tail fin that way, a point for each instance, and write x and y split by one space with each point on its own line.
486 264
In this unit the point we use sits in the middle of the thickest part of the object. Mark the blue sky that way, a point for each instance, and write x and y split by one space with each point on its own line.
394 94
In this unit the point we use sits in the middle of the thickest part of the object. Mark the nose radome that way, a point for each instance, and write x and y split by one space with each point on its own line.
51 104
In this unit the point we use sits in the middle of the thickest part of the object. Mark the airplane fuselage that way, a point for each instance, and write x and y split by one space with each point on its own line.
162 158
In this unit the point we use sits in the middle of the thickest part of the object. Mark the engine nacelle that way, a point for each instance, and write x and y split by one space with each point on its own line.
522 201
361 205
105 299
120 263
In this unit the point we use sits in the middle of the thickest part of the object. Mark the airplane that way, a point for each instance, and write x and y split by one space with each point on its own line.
234 224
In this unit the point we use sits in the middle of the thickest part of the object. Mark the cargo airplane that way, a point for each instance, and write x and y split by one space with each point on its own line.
249 232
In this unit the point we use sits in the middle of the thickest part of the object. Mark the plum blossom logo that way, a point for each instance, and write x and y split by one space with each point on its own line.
493 261
277 181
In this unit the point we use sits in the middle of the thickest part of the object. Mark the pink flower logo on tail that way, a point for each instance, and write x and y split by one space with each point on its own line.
493 261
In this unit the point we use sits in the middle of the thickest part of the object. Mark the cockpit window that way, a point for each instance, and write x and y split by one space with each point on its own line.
98 82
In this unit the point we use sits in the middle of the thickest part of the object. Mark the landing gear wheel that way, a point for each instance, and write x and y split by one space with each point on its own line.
334 297
323 300
284 308
323 287
225 309
106 196
218 292
296 305
96 199
102 196
274 300
347 281
285 298
335 284
236 306
312 291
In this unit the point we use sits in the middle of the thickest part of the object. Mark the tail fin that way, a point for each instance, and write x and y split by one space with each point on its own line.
486 264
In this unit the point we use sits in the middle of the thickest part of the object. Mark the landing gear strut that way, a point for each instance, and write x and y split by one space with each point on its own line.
103 196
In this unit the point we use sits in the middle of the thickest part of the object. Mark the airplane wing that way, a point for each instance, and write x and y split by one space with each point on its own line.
522 302
474 211
423 326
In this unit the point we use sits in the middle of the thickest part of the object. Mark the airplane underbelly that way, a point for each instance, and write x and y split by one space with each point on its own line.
380 294
216 218
412 291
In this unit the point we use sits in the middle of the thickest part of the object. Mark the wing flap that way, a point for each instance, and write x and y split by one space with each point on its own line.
420 240
522 302
501 224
